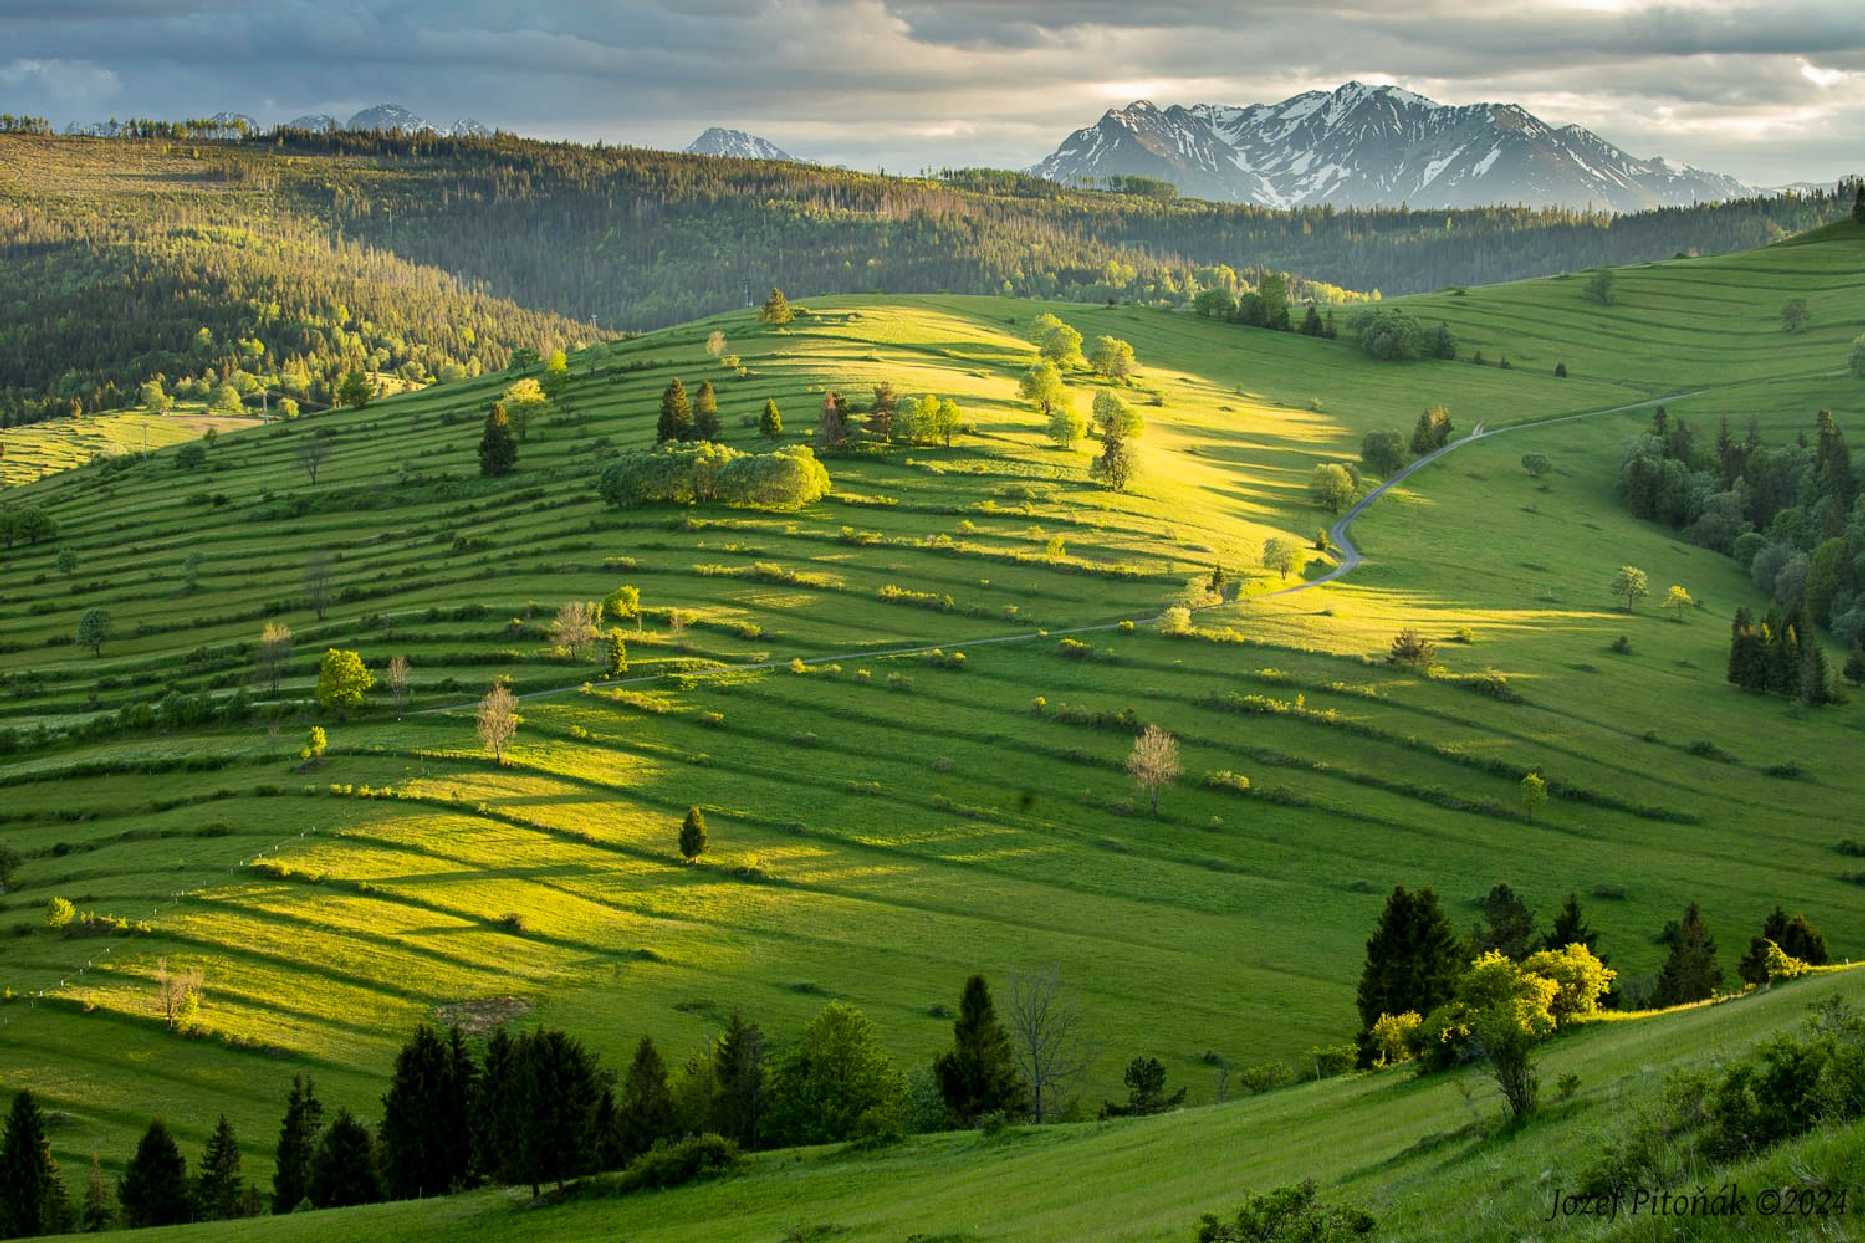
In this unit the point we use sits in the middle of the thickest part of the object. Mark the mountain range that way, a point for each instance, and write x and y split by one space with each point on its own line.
381 119
738 145
1362 146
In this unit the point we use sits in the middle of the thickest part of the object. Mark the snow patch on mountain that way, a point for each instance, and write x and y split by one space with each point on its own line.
738 145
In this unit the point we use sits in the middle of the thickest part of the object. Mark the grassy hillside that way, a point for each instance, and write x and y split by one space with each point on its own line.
32 452
1414 1152
884 825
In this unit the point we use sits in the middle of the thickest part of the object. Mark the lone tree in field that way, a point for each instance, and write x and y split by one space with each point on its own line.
1383 453
1145 1078
274 654
1113 358
1630 585
396 675
715 342
1047 1036
1794 315
498 448
1154 762
93 629
1599 288
1536 464
771 422
342 679
1676 600
776 309
67 561
676 417
1534 793
615 653
313 450
1332 487
1691 972
177 994
317 584
497 720
692 835
978 1074
1410 647
1282 556
574 629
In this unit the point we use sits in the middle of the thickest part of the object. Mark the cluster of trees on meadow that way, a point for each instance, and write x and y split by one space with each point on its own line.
1111 361
539 1109
1791 514
1429 995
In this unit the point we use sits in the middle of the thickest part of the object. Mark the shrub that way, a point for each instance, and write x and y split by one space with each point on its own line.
675 1165
1393 1037
1075 649
687 474
1287 1213
1176 620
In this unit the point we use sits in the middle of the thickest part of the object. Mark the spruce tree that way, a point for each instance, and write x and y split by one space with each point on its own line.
692 835
1570 927
1797 937
97 1215
1311 322
498 448
676 419
343 1170
1815 681
1509 926
32 1197
738 1074
154 1188
1858 205
297 1141
551 1109
978 1074
1691 972
771 422
220 1192
645 1110
1413 960
776 309
494 1109
706 424
425 1112
606 1132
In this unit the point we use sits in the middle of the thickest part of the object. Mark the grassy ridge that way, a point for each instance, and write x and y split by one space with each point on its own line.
878 839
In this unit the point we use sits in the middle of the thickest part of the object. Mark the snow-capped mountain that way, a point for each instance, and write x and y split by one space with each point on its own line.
1364 145
737 144
316 122
384 118
466 127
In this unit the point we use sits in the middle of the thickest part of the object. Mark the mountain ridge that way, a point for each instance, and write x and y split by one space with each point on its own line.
1363 146
739 145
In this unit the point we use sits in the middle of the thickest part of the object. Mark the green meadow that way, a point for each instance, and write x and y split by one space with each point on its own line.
38 450
884 822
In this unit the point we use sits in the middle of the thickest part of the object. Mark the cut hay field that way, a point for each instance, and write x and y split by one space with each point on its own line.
884 825
37 450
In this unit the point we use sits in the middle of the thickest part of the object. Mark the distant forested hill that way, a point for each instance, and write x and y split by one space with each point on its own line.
418 253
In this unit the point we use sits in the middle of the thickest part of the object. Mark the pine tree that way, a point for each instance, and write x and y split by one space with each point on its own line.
1815 681
978 1074
343 1170
1832 467
1570 927
494 1110
771 422
692 835
1858 205
498 449
676 419
1311 323
424 1113
220 1192
32 1197
645 1110
1691 972
297 1140
1797 937
154 1187
776 309
706 424
738 1074
550 1109
97 1215
1413 960
1509 926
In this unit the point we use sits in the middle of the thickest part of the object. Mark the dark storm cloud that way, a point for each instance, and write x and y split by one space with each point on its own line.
1764 91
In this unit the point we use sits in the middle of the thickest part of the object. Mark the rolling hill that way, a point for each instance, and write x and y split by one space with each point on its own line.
887 820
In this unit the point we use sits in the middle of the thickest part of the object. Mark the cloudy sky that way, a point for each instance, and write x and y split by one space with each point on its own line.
1767 90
